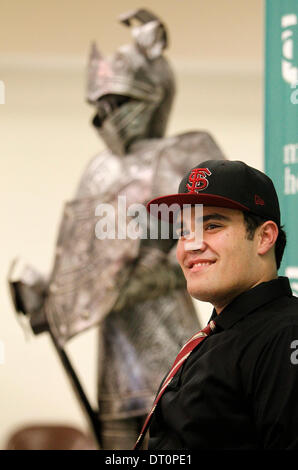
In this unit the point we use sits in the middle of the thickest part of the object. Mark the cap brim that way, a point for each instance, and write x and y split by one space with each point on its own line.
180 199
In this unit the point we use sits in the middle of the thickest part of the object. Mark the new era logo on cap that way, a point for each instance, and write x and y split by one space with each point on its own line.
259 201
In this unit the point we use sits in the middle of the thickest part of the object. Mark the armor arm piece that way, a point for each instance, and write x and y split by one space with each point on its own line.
27 287
28 290
155 274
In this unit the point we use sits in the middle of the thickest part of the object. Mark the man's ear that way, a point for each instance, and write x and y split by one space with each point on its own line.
267 235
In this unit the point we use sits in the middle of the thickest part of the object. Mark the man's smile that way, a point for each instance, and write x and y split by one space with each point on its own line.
198 265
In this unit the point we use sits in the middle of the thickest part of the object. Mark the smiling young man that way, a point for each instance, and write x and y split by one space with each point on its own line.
226 262
234 384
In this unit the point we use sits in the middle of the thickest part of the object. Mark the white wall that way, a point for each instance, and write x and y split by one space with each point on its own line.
45 142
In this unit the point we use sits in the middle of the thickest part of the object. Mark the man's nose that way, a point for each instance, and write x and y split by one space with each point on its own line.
194 245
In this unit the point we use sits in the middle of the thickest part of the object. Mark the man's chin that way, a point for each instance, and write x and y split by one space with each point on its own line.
200 294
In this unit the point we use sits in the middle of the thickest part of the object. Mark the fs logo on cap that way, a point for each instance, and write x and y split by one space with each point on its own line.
198 180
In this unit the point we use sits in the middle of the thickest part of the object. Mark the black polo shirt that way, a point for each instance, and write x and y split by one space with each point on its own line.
238 389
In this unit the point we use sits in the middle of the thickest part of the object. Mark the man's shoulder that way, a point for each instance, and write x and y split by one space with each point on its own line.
276 319
270 332
285 310
277 325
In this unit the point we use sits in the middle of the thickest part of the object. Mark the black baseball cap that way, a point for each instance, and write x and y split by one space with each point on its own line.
225 183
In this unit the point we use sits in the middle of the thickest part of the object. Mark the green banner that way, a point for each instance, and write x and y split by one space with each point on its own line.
281 121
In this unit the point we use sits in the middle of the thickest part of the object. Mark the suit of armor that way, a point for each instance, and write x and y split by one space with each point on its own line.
133 289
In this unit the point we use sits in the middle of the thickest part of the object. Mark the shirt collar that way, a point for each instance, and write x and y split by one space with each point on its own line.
251 300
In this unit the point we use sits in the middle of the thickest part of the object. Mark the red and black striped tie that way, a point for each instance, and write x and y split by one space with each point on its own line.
182 356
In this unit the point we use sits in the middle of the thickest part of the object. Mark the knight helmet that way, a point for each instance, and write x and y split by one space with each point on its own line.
133 90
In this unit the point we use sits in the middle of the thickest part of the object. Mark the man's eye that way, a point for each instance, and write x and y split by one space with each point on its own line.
212 226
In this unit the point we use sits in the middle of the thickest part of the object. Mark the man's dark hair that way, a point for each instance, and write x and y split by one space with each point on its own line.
252 222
